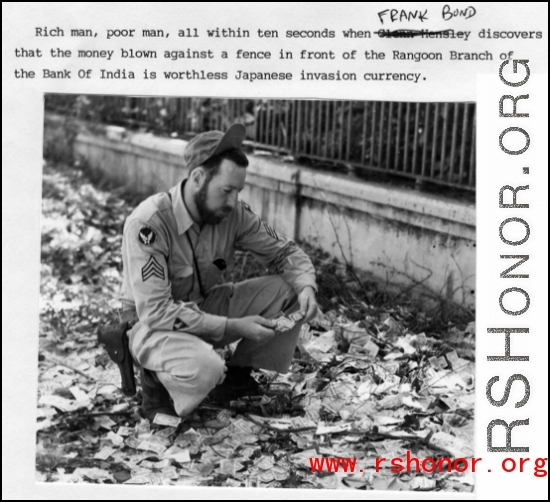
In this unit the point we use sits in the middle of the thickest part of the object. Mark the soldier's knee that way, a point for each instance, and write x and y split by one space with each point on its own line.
209 370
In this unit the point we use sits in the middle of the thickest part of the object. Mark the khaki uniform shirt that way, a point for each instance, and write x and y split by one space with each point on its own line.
162 244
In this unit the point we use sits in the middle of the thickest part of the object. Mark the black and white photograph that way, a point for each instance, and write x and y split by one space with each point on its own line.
275 250
257 293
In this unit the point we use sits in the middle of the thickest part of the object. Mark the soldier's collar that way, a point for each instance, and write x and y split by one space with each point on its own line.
183 218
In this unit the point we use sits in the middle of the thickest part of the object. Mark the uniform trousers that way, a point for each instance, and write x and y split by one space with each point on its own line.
189 367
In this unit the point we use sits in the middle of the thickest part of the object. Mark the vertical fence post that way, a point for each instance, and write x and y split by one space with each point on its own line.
444 140
372 134
434 140
398 137
381 133
471 174
389 136
364 133
349 131
454 135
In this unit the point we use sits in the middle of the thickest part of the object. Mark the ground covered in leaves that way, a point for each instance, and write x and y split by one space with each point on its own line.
373 376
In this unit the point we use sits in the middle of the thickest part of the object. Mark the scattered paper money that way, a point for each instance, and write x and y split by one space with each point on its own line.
92 473
170 473
284 323
322 343
147 464
265 464
406 346
371 348
79 394
331 429
124 431
117 408
178 454
352 332
167 420
230 467
280 473
138 480
104 422
132 442
242 426
104 453
233 482
296 316
115 438
453 358
442 362
267 476
154 447
143 429
164 433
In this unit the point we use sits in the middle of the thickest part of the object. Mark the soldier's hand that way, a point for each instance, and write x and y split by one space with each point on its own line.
308 303
253 327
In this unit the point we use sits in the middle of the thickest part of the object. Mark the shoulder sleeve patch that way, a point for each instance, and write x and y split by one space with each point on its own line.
147 236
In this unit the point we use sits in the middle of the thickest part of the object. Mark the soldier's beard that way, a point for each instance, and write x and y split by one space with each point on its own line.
208 216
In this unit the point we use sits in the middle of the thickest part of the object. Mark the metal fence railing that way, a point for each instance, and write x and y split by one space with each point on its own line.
425 141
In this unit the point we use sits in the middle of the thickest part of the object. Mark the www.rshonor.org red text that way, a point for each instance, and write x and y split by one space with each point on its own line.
427 465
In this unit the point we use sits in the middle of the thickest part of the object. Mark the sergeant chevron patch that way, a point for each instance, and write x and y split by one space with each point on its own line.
270 231
152 269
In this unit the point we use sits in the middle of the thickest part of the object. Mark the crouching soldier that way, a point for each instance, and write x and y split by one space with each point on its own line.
175 247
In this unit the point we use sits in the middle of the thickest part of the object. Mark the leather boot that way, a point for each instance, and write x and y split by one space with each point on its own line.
156 398
238 383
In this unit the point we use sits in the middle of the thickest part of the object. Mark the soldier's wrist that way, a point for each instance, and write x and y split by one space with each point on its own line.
230 327
313 290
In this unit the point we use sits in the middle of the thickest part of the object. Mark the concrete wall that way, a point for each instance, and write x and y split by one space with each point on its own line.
400 236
